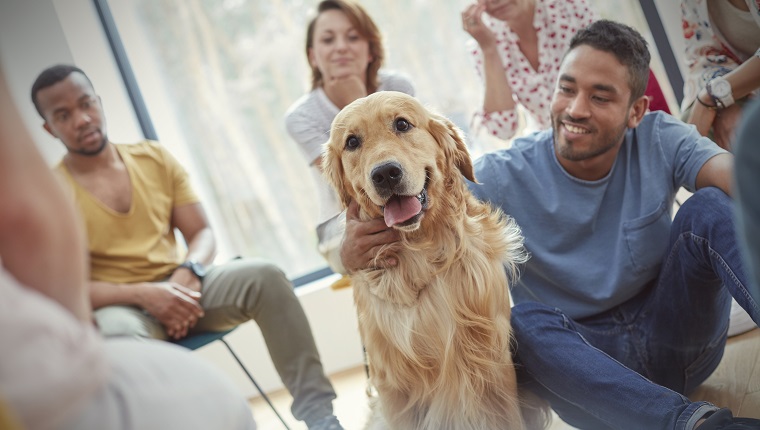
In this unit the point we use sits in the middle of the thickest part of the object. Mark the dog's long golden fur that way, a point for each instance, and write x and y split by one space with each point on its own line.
436 327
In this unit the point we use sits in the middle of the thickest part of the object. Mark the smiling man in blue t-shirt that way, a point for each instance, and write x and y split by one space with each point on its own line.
620 310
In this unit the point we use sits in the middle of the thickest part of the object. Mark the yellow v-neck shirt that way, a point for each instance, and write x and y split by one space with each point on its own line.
137 246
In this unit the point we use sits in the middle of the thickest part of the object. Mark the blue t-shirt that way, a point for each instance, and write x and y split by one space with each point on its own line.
593 244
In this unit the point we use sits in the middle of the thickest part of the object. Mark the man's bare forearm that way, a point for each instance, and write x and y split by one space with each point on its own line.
108 294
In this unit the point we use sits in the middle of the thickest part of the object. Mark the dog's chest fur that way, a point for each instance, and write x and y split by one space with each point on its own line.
436 327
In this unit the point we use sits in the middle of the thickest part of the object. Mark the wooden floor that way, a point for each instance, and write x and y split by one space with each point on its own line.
350 406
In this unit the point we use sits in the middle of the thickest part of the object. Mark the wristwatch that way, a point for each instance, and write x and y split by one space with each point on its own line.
720 91
197 268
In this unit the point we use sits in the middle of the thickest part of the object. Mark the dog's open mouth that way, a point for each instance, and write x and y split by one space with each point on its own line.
405 210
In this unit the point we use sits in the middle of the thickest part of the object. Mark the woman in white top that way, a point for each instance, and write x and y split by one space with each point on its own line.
345 52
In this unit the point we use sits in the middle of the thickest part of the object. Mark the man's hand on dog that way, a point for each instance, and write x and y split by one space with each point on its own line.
363 240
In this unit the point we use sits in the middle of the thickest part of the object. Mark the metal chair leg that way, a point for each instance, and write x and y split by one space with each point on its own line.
366 362
370 390
255 383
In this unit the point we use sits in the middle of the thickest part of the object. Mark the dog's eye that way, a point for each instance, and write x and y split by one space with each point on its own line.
352 142
402 125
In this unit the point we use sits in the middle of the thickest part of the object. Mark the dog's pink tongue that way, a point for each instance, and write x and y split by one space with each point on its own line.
401 208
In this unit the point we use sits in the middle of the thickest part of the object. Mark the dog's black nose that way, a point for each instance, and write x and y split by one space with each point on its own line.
387 175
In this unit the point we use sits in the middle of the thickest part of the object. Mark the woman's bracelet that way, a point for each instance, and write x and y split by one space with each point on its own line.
713 107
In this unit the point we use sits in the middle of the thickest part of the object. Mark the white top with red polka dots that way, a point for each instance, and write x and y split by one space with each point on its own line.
555 21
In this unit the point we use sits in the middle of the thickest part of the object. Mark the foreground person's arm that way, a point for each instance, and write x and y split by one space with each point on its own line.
41 239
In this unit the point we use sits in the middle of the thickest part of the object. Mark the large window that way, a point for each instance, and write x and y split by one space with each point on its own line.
218 75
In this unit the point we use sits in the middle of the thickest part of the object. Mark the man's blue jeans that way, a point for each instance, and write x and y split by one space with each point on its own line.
629 367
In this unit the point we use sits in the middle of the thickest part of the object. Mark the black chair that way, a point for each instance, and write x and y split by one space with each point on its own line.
198 340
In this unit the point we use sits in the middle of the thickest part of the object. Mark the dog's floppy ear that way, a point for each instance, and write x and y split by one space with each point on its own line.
332 170
451 140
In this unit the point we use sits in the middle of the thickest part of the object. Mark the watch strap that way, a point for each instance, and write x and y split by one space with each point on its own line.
711 107
195 268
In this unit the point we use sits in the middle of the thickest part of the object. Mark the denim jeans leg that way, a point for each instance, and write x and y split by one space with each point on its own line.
657 346
585 386
705 226
688 312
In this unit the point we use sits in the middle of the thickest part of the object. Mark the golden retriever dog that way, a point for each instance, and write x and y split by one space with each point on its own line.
436 326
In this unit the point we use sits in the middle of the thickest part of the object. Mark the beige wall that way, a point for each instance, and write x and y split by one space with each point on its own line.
35 34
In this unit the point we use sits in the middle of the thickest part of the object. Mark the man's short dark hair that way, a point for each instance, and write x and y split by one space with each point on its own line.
625 43
51 76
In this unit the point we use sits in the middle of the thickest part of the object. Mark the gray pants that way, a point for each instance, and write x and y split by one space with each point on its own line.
237 292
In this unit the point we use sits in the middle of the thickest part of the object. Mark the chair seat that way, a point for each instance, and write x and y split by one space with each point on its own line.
196 341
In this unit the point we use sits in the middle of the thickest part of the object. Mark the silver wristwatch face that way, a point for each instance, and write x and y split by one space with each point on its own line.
721 88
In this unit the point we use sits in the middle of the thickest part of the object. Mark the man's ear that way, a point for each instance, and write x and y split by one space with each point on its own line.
637 110
49 129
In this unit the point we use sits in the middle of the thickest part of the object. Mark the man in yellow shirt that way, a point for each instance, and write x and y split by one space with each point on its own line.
56 371
131 198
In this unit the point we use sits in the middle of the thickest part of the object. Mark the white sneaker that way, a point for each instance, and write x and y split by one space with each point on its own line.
739 322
